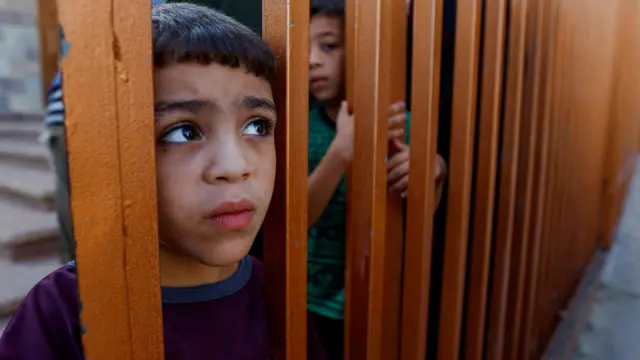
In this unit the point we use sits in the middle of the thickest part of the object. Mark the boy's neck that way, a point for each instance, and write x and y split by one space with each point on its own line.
331 108
177 270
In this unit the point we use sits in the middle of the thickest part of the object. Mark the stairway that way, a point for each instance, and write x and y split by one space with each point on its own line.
29 240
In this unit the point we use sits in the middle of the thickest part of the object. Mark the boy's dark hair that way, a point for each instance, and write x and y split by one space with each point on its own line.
185 33
327 7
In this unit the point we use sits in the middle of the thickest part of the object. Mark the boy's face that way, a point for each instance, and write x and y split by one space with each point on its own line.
215 159
326 57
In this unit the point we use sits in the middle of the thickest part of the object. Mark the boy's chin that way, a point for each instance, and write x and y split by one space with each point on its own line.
325 96
223 254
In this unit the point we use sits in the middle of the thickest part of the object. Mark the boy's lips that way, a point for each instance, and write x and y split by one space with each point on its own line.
233 215
318 80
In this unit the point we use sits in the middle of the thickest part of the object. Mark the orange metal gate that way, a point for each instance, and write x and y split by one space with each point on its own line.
544 135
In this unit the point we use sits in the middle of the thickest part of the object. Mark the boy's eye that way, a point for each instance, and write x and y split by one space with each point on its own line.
181 134
258 127
329 47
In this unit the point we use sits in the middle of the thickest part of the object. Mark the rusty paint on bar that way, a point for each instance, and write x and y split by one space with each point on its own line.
112 164
286 29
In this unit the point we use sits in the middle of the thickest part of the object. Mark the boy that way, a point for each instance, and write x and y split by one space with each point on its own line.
215 163
330 152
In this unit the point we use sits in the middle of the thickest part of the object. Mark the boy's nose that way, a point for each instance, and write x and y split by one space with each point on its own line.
314 58
227 163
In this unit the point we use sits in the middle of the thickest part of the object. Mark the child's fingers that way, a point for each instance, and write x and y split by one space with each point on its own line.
344 108
399 144
397 159
397 107
396 173
395 134
401 185
396 121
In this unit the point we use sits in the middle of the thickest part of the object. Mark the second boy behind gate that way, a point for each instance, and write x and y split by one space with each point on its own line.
331 148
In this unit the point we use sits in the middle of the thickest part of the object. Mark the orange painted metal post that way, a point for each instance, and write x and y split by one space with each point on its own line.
394 45
508 180
463 119
367 216
579 119
110 129
425 94
286 29
530 139
544 301
543 69
486 175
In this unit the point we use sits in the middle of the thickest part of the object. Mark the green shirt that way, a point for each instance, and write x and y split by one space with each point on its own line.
326 240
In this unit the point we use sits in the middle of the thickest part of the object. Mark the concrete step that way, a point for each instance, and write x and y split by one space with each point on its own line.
11 116
18 278
21 130
34 187
27 233
34 155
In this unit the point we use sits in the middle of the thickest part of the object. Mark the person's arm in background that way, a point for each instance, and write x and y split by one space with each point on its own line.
325 178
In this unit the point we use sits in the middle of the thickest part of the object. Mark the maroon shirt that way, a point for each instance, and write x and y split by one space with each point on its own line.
220 321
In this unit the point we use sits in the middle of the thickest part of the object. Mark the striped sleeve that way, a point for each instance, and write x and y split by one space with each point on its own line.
55 105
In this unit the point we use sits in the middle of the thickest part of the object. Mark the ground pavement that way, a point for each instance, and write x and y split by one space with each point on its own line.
613 326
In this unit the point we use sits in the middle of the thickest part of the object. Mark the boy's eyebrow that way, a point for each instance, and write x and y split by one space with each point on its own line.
192 106
196 105
327 33
256 102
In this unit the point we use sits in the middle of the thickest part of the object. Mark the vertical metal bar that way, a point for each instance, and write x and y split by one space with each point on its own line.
286 29
117 172
508 180
367 200
394 45
463 119
425 92
486 175
544 69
